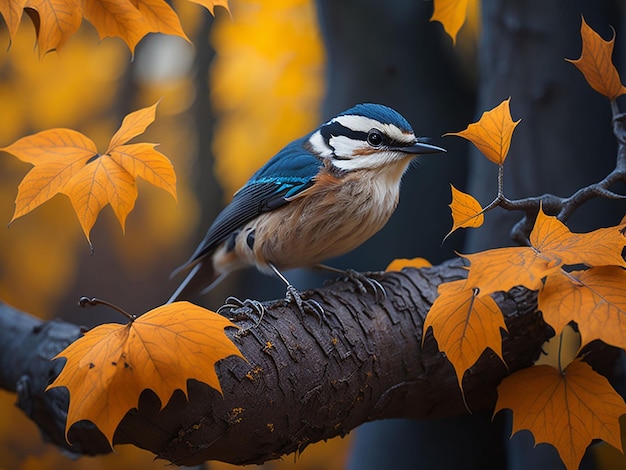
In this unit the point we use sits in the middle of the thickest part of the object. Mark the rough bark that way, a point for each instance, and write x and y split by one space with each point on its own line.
306 379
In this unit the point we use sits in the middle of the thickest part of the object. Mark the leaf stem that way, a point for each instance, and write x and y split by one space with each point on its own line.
86 301
559 354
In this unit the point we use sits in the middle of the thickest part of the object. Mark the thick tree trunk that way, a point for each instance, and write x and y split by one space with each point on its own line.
306 378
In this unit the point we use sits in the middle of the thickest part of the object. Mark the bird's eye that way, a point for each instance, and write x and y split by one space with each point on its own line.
375 138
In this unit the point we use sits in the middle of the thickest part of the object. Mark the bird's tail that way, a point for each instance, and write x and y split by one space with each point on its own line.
183 285
199 280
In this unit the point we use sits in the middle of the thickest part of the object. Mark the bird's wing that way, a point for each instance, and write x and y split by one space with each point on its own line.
287 174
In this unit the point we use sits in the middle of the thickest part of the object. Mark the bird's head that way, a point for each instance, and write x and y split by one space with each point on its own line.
368 136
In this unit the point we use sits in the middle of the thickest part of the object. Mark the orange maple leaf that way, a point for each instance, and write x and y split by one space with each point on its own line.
451 14
109 367
595 63
501 269
466 211
595 299
553 245
211 4
492 133
567 409
400 263
131 20
54 21
11 11
602 247
67 162
464 325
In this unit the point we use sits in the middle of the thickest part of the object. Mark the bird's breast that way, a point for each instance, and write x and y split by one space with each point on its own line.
334 216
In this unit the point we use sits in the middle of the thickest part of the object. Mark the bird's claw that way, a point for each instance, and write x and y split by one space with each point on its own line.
363 281
293 296
235 307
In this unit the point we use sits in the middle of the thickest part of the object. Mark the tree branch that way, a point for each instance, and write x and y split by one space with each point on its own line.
306 379
564 207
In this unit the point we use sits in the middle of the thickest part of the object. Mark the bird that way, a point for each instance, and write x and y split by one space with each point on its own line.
319 197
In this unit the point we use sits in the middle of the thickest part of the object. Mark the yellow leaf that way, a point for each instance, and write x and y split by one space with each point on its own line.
211 4
492 133
67 162
57 154
501 269
553 245
567 409
597 248
595 299
145 161
160 17
401 263
109 367
451 14
134 124
57 21
602 247
595 63
103 181
11 11
464 325
117 18
466 211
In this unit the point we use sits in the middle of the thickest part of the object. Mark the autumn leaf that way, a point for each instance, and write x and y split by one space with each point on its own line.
492 133
598 248
595 299
67 162
466 211
401 263
595 63
109 367
11 11
131 20
211 4
602 247
501 269
56 21
464 325
567 409
553 245
451 14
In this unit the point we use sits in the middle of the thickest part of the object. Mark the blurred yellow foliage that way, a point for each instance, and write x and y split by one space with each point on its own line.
80 88
39 256
266 84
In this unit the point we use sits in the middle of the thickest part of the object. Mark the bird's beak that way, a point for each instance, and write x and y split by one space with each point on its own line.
419 148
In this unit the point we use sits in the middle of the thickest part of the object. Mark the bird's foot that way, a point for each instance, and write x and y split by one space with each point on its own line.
293 296
363 282
235 307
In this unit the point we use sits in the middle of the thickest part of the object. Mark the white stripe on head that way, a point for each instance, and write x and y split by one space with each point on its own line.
364 124
319 146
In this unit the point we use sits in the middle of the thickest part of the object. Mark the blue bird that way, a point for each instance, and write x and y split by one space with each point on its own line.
319 197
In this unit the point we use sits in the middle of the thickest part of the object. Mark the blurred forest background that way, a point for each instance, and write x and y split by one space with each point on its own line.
253 81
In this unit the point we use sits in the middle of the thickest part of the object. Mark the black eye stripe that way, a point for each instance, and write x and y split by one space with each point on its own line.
336 129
